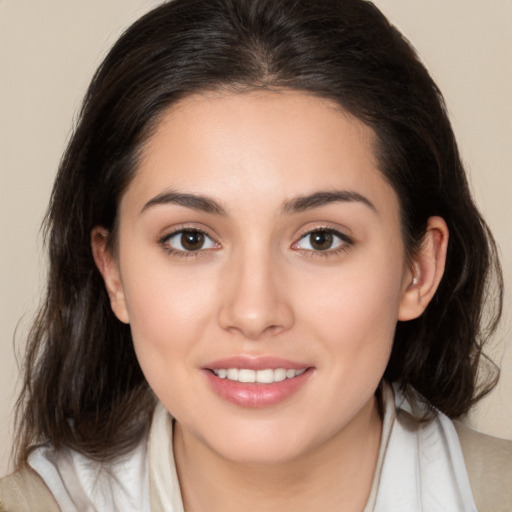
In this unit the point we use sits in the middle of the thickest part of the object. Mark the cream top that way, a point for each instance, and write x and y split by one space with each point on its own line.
420 468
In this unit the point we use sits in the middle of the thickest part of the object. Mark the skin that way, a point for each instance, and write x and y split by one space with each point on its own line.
259 287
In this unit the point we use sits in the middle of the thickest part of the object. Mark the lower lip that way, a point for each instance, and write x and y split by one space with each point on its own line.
256 395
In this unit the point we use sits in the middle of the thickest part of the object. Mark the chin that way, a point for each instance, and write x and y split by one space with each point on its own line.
261 454
258 444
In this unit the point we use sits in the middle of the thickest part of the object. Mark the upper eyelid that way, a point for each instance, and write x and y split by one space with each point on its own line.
169 233
346 241
164 242
336 231
348 238
172 234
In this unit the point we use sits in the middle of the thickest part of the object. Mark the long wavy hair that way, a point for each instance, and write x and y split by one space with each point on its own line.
83 387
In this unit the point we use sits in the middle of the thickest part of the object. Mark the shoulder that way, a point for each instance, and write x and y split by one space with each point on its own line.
489 465
25 491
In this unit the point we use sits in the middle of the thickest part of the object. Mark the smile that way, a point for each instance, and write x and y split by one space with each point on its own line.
265 376
264 386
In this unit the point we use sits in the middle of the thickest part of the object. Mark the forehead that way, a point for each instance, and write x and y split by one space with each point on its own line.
266 145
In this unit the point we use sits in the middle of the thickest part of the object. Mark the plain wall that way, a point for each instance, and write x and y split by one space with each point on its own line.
49 50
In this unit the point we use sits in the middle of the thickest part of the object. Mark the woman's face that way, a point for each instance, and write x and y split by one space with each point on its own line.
259 241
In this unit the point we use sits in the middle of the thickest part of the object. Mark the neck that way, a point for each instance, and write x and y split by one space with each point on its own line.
336 475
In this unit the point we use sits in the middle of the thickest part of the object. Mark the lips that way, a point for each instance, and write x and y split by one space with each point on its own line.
256 382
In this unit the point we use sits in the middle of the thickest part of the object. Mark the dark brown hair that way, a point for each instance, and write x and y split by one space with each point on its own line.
83 386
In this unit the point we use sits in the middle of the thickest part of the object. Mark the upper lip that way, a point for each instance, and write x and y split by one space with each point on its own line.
255 363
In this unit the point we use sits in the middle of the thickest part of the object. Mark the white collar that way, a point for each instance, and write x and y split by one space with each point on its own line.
420 465
423 469
420 468
80 484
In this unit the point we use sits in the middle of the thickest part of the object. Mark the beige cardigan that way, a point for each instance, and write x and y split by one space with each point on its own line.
488 461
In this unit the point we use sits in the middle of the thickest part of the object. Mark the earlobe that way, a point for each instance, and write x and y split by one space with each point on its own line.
109 269
427 270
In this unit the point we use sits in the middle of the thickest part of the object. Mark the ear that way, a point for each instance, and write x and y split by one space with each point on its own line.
109 269
423 278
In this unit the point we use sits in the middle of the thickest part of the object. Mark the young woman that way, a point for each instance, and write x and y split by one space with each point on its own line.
267 278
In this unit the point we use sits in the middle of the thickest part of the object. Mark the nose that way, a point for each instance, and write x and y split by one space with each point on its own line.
255 303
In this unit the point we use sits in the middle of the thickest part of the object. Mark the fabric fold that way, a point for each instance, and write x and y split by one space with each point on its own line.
420 468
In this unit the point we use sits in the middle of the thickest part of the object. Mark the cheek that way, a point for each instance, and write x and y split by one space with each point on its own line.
355 306
353 315
170 312
168 306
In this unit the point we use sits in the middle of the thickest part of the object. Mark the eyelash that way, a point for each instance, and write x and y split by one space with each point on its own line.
345 245
164 243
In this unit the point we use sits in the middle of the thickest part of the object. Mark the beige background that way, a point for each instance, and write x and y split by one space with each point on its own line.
49 50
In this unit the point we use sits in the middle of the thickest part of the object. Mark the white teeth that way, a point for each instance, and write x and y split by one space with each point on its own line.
267 376
232 374
246 376
279 374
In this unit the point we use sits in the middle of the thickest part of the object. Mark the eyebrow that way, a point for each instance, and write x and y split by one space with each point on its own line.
295 205
193 201
318 199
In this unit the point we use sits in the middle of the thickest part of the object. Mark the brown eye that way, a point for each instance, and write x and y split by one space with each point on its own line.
188 240
323 240
192 240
